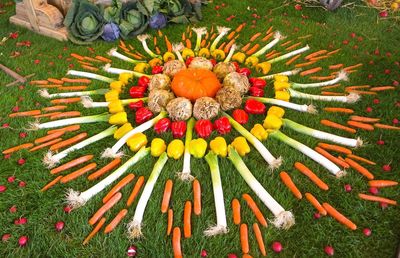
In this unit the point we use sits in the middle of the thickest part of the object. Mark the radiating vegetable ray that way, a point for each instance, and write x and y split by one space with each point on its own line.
185 175
351 98
301 108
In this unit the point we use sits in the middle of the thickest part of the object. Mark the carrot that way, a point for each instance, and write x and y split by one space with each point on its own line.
349 88
236 211
73 175
117 219
103 59
383 126
334 147
176 242
352 156
71 164
76 80
135 191
126 180
47 115
170 221
267 37
255 36
25 113
330 93
360 125
166 196
293 46
89 68
253 49
188 43
333 52
290 184
133 55
65 100
54 108
240 27
311 71
332 124
50 184
338 216
160 34
382 88
91 59
70 128
244 238
17 148
104 169
253 206
55 81
168 43
76 56
286 43
359 92
213 36
49 137
304 64
376 199
73 88
314 202
41 146
259 238
311 175
331 157
65 114
324 78
158 51
231 35
336 66
203 43
362 170
339 110
228 46
39 82
269 54
187 217
364 119
94 231
269 30
221 47
331 86
293 59
103 209
68 142
318 58
382 183
317 53
348 68
196 197
246 47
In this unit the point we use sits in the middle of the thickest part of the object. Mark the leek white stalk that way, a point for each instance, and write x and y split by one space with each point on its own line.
286 73
222 31
289 55
277 36
107 68
230 54
199 33
51 159
113 52
221 227
308 152
351 98
88 102
113 151
301 108
185 174
135 225
342 76
77 199
283 219
71 121
271 160
45 94
177 48
322 135
90 76
142 38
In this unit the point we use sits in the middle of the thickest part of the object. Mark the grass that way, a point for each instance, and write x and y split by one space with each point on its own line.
306 239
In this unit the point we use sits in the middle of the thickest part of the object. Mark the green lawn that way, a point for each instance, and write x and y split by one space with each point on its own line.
306 239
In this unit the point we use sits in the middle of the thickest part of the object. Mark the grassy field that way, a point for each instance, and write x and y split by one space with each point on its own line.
375 45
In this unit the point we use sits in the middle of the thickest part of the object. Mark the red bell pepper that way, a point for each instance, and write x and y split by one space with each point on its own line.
142 115
256 92
157 69
237 67
136 105
189 60
222 125
253 106
252 80
259 83
240 116
178 129
245 71
144 81
203 128
137 91
162 125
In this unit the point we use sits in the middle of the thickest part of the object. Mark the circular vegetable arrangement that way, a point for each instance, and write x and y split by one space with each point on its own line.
206 90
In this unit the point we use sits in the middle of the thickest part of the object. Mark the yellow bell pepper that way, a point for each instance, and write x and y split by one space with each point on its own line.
282 95
219 146
142 68
118 118
281 78
155 61
175 149
277 111
263 67
239 57
137 141
124 78
122 130
198 147
115 106
218 54
281 85
204 52
168 56
251 61
158 146
241 146
259 132
116 85
187 52
111 95
272 122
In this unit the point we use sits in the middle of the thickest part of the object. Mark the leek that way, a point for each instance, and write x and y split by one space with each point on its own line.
45 93
277 36
88 102
230 54
222 31
177 48
70 121
185 174
301 108
286 73
113 52
342 76
289 55
90 76
351 98
199 33
107 68
142 38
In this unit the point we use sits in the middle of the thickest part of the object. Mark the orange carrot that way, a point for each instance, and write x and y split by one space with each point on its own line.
330 93
246 47
323 78
267 37
39 82
17 148
49 86
348 68
382 88
126 180
318 58
269 30
332 124
73 88
55 81
359 92
333 52
376 199
314 202
196 197
244 238
362 170
76 56
89 68
91 59
318 53
68 142
73 175
253 206
187 219
349 88
49 137
65 100
85 63
259 238
188 44
255 36
311 71
47 115
293 59
360 125
71 164
269 54
253 49
334 147
160 34
70 128
49 143
383 126
290 184
338 216
168 43
114 223
240 27
286 43
170 221
236 211
158 51
304 64
331 157
176 242
311 175
50 184
355 157
231 35
76 80
221 47
134 55
103 209
382 183
103 59
135 191
104 169
54 108
364 119
339 110
293 46
331 86
25 113
336 66
228 46
94 231
166 196
203 43
183 36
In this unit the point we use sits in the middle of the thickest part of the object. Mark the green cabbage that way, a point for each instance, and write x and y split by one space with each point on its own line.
132 22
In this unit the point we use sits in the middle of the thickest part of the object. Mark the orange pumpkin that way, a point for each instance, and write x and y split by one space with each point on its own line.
195 83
